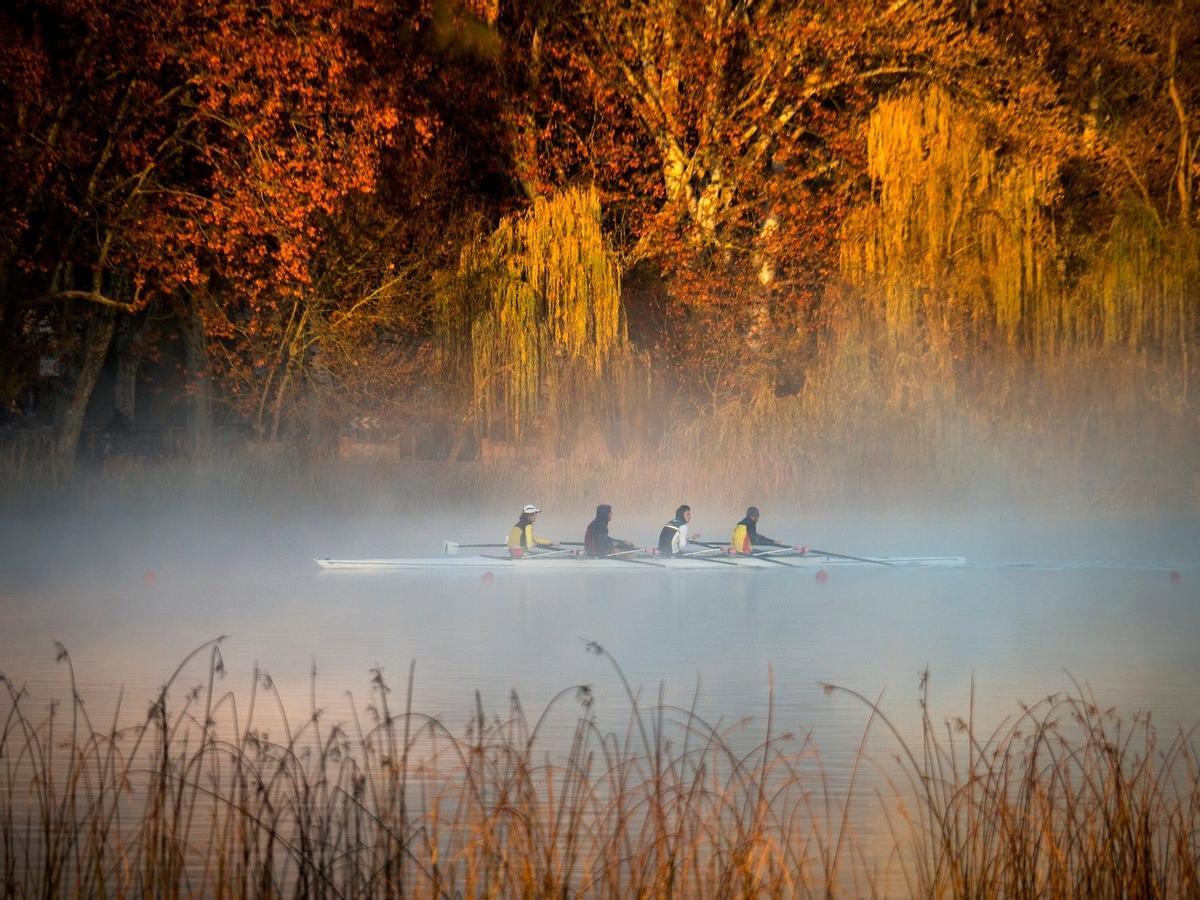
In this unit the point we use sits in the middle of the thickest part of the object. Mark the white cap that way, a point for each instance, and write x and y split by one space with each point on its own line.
530 508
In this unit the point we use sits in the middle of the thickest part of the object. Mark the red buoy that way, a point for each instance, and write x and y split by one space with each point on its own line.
149 576
1176 577
487 577
822 576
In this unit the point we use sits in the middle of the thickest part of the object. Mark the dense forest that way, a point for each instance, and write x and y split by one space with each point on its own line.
898 237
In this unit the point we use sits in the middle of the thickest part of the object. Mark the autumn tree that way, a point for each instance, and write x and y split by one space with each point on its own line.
745 120
198 146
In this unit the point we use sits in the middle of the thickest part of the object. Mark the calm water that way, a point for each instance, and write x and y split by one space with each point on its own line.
130 594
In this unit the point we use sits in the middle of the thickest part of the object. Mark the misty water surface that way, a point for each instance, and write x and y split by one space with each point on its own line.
130 592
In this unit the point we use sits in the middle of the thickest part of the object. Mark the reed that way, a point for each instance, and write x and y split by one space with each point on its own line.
1065 799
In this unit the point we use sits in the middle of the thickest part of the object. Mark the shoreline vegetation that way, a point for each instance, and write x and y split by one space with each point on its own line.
1061 799
1098 432
956 462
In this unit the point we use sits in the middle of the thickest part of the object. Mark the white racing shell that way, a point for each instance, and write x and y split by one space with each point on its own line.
697 562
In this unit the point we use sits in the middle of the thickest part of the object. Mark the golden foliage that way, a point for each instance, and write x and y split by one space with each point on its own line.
538 307
1144 285
958 251
956 244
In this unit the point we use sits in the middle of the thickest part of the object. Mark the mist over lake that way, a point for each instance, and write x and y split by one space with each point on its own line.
131 591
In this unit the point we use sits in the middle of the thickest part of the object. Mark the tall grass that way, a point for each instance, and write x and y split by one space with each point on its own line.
195 799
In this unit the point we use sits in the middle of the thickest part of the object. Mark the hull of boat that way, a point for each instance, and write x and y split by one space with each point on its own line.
580 564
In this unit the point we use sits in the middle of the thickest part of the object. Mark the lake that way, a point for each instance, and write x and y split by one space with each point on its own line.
129 591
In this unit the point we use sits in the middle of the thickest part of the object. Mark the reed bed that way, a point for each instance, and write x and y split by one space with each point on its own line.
1064 799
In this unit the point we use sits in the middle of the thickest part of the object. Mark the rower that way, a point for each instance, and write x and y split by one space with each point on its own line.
596 541
746 536
673 539
521 538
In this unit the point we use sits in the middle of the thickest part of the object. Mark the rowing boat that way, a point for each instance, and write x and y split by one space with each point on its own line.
574 563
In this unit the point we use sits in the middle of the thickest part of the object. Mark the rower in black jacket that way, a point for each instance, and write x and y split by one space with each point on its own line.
596 542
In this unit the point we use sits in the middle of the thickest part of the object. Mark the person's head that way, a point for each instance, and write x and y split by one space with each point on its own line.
752 513
684 513
529 513
604 512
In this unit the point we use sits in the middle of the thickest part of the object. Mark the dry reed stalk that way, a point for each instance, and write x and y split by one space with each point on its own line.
1063 800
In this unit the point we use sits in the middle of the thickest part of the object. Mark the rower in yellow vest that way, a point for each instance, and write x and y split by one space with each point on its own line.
521 538
746 537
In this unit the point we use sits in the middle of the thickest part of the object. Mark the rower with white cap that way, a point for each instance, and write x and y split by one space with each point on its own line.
521 538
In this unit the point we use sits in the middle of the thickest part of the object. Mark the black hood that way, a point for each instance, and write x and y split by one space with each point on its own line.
603 511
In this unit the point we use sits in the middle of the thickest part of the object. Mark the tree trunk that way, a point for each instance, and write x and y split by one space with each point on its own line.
96 344
277 411
199 384
125 388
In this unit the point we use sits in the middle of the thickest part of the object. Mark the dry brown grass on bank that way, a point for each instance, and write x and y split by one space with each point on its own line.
1064 800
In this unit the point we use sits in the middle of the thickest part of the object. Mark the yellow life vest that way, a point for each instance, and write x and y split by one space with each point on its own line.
523 538
740 542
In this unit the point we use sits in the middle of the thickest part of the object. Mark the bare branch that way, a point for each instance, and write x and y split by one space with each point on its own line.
91 297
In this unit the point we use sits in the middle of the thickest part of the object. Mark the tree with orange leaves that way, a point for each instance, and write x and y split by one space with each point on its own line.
745 120
183 152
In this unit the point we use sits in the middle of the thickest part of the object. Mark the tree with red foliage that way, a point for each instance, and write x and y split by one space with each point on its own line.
182 152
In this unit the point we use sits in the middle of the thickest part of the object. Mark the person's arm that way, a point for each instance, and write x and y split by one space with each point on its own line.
514 538
543 542
681 540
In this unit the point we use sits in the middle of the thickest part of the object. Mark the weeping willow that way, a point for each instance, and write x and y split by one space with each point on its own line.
1144 287
532 320
958 251
956 245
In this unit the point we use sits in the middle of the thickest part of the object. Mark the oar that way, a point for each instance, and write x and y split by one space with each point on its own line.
866 559
620 556
763 556
450 548
778 549
702 557
544 554
766 557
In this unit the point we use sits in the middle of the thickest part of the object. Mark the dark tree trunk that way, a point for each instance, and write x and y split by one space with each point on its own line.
128 364
96 344
195 351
